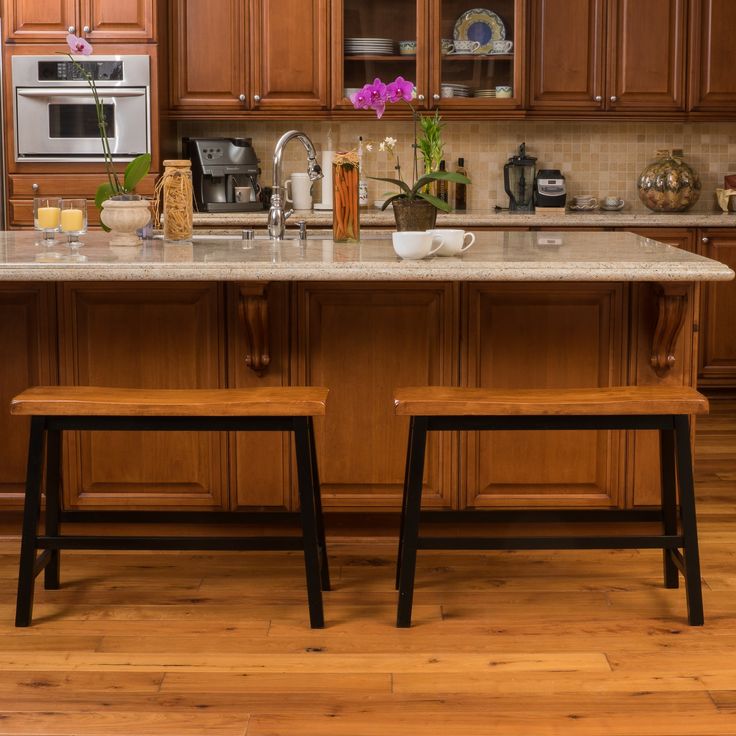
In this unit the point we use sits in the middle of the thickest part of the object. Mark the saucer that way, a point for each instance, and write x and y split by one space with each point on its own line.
617 208
581 208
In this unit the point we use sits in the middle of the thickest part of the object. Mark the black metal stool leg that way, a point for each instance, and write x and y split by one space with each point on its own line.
324 562
403 503
669 502
309 522
53 506
32 506
689 523
410 530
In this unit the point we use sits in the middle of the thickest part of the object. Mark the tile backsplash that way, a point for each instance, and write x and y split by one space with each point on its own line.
596 158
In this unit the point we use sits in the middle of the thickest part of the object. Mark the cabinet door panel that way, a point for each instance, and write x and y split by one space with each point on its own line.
646 60
258 315
543 336
717 364
208 53
712 78
27 344
677 237
290 54
158 336
362 341
39 20
566 54
119 20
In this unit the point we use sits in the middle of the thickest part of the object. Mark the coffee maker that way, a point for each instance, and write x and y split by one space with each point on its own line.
224 171
550 188
518 181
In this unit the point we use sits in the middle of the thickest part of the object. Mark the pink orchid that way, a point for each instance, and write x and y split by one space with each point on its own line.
78 45
362 99
378 98
399 90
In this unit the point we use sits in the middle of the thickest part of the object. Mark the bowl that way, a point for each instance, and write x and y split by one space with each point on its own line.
407 48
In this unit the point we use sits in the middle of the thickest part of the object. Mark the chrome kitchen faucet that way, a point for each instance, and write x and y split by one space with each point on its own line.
276 215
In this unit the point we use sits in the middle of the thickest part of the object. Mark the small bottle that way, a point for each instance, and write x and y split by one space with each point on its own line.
461 190
443 189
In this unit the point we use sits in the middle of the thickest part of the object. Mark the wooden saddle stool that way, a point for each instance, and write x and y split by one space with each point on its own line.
54 409
662 408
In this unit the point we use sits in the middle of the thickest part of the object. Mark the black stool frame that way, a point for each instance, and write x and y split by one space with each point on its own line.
50 428
675 462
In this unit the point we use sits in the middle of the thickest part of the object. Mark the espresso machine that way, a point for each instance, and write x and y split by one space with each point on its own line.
518 181
224 174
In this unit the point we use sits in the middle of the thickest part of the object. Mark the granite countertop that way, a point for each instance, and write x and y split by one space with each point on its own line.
496 256
635 216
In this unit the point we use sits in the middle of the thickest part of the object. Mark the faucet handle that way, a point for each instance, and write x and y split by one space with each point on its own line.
288 214
302 229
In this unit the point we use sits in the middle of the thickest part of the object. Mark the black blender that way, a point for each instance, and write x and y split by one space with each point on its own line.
518 181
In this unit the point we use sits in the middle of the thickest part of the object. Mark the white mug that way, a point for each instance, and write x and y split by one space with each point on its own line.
502 46
466 47
453 241
585 200
412 244
244 194
299 191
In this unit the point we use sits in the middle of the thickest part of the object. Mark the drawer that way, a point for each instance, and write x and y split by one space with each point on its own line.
65 185
20 213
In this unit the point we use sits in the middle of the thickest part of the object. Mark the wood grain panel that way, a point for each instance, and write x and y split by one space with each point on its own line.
289 53
260 462
144 336
362 341
28 347
567 54
119 20
38 20
646 55
543 336
677 237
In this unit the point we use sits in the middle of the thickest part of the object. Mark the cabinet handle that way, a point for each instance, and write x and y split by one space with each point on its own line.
242 98
420 98
705 240
72 29
35 187
614 98
256 99
435 97
598 98
86 29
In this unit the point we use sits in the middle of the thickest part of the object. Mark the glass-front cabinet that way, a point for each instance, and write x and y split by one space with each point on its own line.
459 55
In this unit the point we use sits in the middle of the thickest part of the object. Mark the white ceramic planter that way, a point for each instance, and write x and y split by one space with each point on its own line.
124 217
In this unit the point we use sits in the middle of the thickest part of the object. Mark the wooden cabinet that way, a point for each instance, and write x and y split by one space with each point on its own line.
717 361
678 237
543 336
28 347
614 55
362 341
96 20
143 335
228 56
712 78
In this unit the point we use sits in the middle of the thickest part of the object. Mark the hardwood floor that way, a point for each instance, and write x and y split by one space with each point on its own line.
510 644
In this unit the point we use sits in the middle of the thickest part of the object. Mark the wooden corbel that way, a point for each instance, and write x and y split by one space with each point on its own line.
671 311
254 317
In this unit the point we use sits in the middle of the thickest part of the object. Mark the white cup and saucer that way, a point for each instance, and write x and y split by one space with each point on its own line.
612 204
412 245
583 202
454 242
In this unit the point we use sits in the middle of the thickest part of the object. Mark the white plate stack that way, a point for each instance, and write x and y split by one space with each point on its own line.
372 46
485 93
458 90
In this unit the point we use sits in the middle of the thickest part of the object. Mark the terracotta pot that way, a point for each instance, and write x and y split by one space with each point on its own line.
415 214
124 217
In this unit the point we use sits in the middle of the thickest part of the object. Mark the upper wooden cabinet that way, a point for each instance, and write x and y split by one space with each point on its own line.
117 21
712 77
612 55
228 56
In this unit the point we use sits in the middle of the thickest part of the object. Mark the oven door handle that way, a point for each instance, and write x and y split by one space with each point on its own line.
77 92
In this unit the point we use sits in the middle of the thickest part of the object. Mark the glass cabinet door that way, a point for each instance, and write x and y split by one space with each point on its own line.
476 53
380 38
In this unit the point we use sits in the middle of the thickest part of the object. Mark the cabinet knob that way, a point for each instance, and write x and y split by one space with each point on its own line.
614 98
72 29
86 29
242 98
420 98
598 98
705 239
435 97
35 187
256 98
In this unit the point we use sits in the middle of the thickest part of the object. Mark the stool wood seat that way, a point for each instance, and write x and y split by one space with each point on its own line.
55 409
662 408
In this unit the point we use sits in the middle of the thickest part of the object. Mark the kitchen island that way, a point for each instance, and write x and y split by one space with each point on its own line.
520 309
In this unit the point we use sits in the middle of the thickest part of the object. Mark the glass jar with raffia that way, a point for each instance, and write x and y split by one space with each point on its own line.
345 197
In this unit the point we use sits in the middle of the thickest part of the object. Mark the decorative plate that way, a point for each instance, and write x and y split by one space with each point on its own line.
480 25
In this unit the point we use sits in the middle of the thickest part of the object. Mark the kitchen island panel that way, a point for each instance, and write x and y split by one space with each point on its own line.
146 336
544 336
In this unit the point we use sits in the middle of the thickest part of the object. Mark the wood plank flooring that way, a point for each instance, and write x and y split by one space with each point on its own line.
510 644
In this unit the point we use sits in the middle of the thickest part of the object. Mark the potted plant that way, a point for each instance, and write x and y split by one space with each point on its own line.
122 211
415 207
